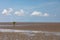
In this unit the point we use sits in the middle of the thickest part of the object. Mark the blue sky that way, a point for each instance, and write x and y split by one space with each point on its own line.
30 10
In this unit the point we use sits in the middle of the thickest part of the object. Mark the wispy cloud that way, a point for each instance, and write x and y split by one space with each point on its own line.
7 11
20 13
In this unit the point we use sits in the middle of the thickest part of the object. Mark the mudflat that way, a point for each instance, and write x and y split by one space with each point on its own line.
52 27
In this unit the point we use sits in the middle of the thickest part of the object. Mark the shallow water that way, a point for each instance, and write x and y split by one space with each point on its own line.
11 34
29 31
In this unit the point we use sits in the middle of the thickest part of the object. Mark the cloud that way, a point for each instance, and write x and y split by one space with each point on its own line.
7 11
10 9
20 13
36 13
45 14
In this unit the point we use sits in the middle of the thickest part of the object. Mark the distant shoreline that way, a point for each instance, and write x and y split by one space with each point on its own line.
30 22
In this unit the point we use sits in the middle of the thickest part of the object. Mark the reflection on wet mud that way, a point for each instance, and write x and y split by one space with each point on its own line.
28 35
